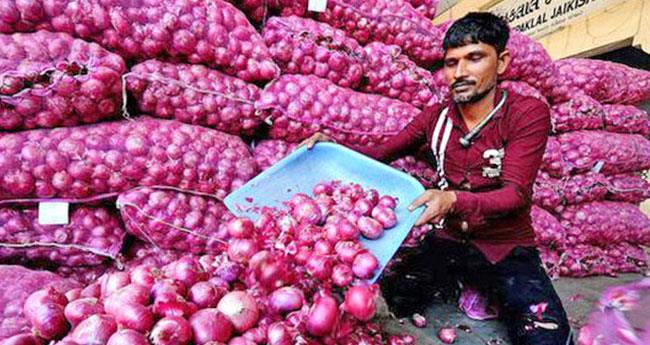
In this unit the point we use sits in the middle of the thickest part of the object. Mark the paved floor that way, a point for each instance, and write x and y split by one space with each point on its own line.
578 296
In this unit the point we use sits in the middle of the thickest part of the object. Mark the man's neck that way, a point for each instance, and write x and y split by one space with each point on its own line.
473 113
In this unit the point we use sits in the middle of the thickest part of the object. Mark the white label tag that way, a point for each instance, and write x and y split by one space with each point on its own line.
53 213
317 5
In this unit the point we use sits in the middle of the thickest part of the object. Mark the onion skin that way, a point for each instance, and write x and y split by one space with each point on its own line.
342 275
171 330
210 325
240 308
241 228
323 316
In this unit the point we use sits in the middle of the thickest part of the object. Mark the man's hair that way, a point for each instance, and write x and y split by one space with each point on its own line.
478 27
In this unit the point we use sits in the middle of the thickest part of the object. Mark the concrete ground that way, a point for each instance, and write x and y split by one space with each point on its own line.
578 297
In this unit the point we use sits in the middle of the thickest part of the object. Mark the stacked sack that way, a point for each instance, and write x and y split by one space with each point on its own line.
137 188
592 172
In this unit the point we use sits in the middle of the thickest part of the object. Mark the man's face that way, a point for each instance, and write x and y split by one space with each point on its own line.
472 70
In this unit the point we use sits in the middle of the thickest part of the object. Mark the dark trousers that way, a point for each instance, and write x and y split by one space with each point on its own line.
517 283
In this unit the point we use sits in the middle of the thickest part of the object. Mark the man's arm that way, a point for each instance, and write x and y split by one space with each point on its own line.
523 157
411 136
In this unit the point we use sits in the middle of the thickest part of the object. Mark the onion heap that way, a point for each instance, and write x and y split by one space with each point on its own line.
629 187
604 81
174 219
93 235
583 260
213 33
580 112
606 152
522 88
304 46
66 82
298 272
91 160
303 105
548 230
554 194
621 118
388 21
606 222
390 73
196 95
269 152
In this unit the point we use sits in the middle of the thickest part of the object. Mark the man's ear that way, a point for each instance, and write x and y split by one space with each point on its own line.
503 60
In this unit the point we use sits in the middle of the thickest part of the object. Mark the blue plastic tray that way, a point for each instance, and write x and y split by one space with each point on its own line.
303 169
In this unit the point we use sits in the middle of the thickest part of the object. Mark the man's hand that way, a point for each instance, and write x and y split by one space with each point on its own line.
438 205
315 138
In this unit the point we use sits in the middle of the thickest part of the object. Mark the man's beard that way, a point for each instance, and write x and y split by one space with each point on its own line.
473 97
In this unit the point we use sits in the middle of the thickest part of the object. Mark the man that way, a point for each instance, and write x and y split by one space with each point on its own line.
487 147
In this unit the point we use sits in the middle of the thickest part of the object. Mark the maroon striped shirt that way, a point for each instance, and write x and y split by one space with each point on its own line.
492 213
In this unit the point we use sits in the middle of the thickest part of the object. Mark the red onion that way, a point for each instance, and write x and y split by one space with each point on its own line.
307 212
174 306
135 316
80 309
171 330
186 270
323 247
365 264
286 299
131 293
96 329
319 266
241 249
361 302
48 320
209 325
363 207
384 215
240 308
241 228
388 201
347 251
145 275
447 335
92 290
277 334
127 337
205 295
370 228
113 282
342 275
323 316
167 287
274 274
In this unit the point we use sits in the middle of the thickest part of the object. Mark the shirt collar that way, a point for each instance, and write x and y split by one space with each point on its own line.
457 119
